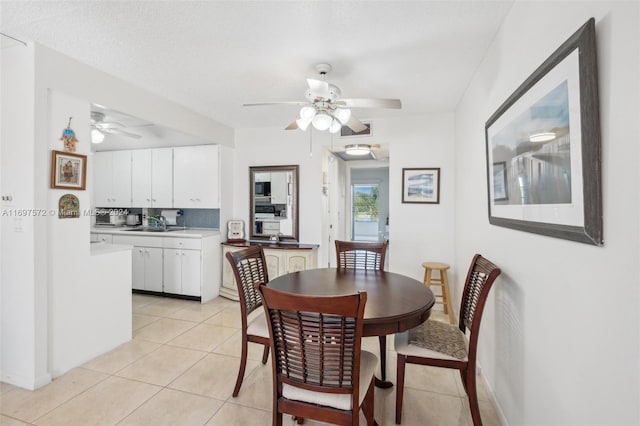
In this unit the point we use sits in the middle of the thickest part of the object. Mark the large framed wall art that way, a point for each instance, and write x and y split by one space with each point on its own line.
543 148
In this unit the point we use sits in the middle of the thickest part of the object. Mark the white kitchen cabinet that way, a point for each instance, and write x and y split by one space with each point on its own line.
262 177
103 238
195 177
152 177
280 261
147 268
270 227
112 178
182 272
147 259
174 265
279 188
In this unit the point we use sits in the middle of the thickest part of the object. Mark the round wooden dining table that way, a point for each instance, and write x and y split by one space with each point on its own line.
395 302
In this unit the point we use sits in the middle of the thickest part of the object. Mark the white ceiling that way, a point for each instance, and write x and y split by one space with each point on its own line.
213 56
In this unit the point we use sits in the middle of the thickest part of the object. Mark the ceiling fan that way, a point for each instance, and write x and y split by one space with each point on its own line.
325 110
99 127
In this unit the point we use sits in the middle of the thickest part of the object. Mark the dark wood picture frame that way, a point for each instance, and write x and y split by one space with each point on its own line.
68 170
421 185
582 198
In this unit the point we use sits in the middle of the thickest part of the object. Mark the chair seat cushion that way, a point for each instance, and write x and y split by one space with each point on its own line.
258 326
433 339
368 365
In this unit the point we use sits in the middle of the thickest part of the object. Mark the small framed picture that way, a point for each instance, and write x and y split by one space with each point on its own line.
421 186
68 171
500 188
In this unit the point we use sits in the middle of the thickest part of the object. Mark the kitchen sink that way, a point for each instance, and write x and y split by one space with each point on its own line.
152 229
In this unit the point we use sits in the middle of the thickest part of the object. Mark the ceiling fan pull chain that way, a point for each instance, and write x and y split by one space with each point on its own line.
311 142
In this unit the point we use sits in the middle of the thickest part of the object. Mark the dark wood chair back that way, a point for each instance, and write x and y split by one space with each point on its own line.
457 353
250 268
360 255
316 346
480 278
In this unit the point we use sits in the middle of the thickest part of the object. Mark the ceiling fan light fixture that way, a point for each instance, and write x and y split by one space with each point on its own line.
342 114
335 127
307 112
357 149
97 136
303 123
322 121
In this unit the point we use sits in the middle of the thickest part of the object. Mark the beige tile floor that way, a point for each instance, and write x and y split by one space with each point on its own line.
180 369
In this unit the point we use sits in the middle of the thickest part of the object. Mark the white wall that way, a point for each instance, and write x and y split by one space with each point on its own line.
421 232
417 232
23 302
560 336
31 258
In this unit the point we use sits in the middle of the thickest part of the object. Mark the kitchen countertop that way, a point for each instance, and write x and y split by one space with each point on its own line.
99 248
181 233
284 245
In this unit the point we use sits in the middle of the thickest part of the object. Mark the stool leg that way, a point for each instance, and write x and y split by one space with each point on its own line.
427 276
446 295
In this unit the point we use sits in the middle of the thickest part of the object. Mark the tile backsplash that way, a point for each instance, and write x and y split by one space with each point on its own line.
194 218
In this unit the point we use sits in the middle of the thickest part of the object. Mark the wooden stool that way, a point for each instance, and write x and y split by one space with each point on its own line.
442 281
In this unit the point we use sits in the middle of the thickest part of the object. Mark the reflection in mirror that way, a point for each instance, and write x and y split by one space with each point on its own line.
274 202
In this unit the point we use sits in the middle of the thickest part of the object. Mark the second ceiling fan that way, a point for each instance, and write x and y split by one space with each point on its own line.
325 110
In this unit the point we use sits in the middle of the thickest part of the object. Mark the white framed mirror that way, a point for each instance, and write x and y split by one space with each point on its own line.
273 202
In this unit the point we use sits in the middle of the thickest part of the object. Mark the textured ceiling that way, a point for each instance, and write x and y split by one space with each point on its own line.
213 56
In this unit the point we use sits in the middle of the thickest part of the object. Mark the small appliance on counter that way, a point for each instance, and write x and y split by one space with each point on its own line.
235 233
133 219
111 217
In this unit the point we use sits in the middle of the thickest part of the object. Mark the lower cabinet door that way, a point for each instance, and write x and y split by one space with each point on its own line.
172 271
275 265
137 266
191 277
153 269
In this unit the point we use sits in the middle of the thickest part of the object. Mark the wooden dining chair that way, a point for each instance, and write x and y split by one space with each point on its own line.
360 255
365 255
319 370
250 267
445 345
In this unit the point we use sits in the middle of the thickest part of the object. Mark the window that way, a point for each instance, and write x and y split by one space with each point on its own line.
365 212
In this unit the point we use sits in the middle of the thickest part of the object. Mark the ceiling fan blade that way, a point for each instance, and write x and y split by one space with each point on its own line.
121 133
109 125
298 103
370 103
356 125
292 126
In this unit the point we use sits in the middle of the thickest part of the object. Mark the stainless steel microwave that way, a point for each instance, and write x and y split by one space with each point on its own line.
263 189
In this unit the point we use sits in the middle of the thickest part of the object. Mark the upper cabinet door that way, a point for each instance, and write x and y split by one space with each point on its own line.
195 178
162 177
152 183
141 178
112 179
122 178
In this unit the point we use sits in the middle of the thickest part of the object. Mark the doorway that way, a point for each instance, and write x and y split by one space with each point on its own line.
369 216
347 182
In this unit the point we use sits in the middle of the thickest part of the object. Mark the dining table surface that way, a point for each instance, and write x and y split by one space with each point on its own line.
395 302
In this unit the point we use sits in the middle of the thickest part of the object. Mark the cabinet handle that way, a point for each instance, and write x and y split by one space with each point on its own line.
148 200
154 200
139 250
